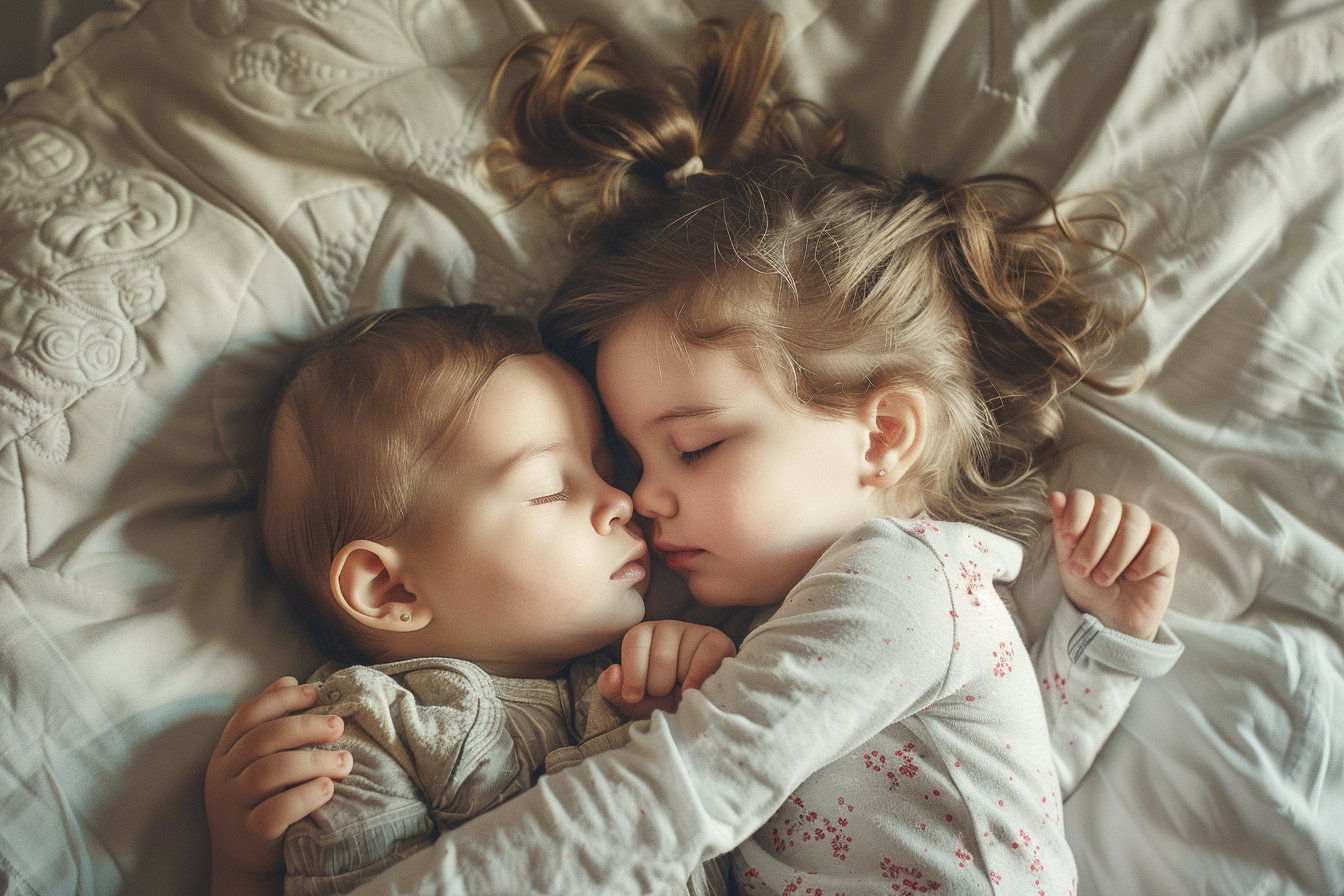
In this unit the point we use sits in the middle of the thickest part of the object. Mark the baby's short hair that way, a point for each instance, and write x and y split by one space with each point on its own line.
361 417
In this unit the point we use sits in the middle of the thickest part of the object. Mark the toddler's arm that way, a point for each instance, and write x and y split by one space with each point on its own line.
260 781
1117 566
802 691
660 660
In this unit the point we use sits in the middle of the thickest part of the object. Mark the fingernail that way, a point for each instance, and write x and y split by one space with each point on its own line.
1100 578
333 722
1078 569
347 760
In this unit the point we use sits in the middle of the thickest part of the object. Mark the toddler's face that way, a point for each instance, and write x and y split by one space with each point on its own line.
745 491
529 557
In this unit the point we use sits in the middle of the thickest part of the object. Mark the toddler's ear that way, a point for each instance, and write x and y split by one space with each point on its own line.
895 421
366 583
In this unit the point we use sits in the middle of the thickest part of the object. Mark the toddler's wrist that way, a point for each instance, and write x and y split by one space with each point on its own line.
1144 629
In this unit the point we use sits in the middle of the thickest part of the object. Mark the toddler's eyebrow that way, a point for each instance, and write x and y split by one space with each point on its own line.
685 412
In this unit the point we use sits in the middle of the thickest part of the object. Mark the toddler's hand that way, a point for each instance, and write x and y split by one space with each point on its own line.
1116 563
661 659
260 781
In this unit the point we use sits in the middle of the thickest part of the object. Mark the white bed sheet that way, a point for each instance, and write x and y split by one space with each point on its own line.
195 184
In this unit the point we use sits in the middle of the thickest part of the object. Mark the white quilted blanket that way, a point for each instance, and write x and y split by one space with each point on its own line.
196 184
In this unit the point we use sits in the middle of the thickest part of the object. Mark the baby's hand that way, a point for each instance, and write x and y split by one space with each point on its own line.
1116 563
260 781
661 659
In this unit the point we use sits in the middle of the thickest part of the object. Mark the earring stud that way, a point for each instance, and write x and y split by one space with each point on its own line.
881 472
405 617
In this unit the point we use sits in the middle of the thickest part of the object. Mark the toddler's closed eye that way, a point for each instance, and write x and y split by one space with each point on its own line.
690 457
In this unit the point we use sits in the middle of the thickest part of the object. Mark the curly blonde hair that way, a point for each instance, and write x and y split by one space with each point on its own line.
836 282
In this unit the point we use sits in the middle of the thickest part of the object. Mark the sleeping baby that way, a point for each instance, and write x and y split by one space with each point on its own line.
437 502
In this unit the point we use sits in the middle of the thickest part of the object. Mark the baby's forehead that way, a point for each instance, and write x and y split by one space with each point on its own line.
563 382
289 471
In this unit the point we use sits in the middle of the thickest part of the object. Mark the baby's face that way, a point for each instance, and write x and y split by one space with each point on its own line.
745 490
528 558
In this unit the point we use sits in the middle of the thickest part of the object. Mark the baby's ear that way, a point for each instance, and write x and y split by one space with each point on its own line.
366 582
895 421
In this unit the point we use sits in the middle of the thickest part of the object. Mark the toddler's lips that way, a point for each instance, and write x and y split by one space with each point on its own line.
676 556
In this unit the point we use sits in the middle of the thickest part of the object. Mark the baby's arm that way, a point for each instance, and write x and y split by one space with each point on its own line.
1118 567
660 660
260 781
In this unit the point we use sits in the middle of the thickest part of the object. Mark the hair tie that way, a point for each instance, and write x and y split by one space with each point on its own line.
676 179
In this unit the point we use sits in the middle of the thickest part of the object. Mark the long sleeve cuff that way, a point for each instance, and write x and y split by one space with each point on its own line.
1091 639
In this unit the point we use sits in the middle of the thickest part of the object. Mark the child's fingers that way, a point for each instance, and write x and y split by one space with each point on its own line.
284 734
1160 553
281 697
664 655
273 774
635 661
609 683
272 818
708 656
1096 537
1070 515
1130 536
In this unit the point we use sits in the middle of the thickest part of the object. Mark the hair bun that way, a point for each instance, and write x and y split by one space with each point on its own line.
676 178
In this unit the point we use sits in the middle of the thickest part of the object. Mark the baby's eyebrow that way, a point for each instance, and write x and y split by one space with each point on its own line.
529 453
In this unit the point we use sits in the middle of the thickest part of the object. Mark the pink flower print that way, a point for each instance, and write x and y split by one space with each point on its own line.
907 756
1003 659
972 581
840 843
1037 866
906 881
996 877
963 856
878 763
810 826
1056 685
782 840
